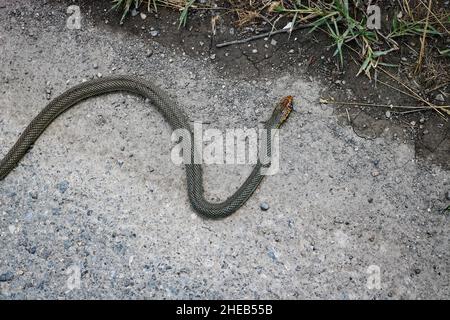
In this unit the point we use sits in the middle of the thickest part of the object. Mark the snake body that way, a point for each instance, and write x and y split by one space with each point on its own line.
171 112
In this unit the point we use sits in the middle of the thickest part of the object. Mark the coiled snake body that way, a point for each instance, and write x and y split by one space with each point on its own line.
171 112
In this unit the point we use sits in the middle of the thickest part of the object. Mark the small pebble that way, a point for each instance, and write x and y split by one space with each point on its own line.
7 276
264 206
67 244
63 186
272 255
32 250
375 173
439 98
12 229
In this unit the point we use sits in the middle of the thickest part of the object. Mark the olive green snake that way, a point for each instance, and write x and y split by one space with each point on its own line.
171 112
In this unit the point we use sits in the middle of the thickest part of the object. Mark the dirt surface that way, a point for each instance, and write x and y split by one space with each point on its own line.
353 213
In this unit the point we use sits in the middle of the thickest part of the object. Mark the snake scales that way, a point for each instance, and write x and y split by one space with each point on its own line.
171 112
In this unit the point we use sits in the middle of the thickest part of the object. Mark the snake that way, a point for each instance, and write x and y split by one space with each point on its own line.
176 118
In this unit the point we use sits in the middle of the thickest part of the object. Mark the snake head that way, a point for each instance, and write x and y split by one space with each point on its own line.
283 109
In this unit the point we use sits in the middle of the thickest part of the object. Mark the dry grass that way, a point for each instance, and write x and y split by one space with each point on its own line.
344 20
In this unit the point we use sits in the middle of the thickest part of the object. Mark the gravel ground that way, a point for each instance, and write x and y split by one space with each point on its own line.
98 210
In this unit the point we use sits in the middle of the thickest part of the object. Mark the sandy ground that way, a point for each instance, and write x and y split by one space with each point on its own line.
98 210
